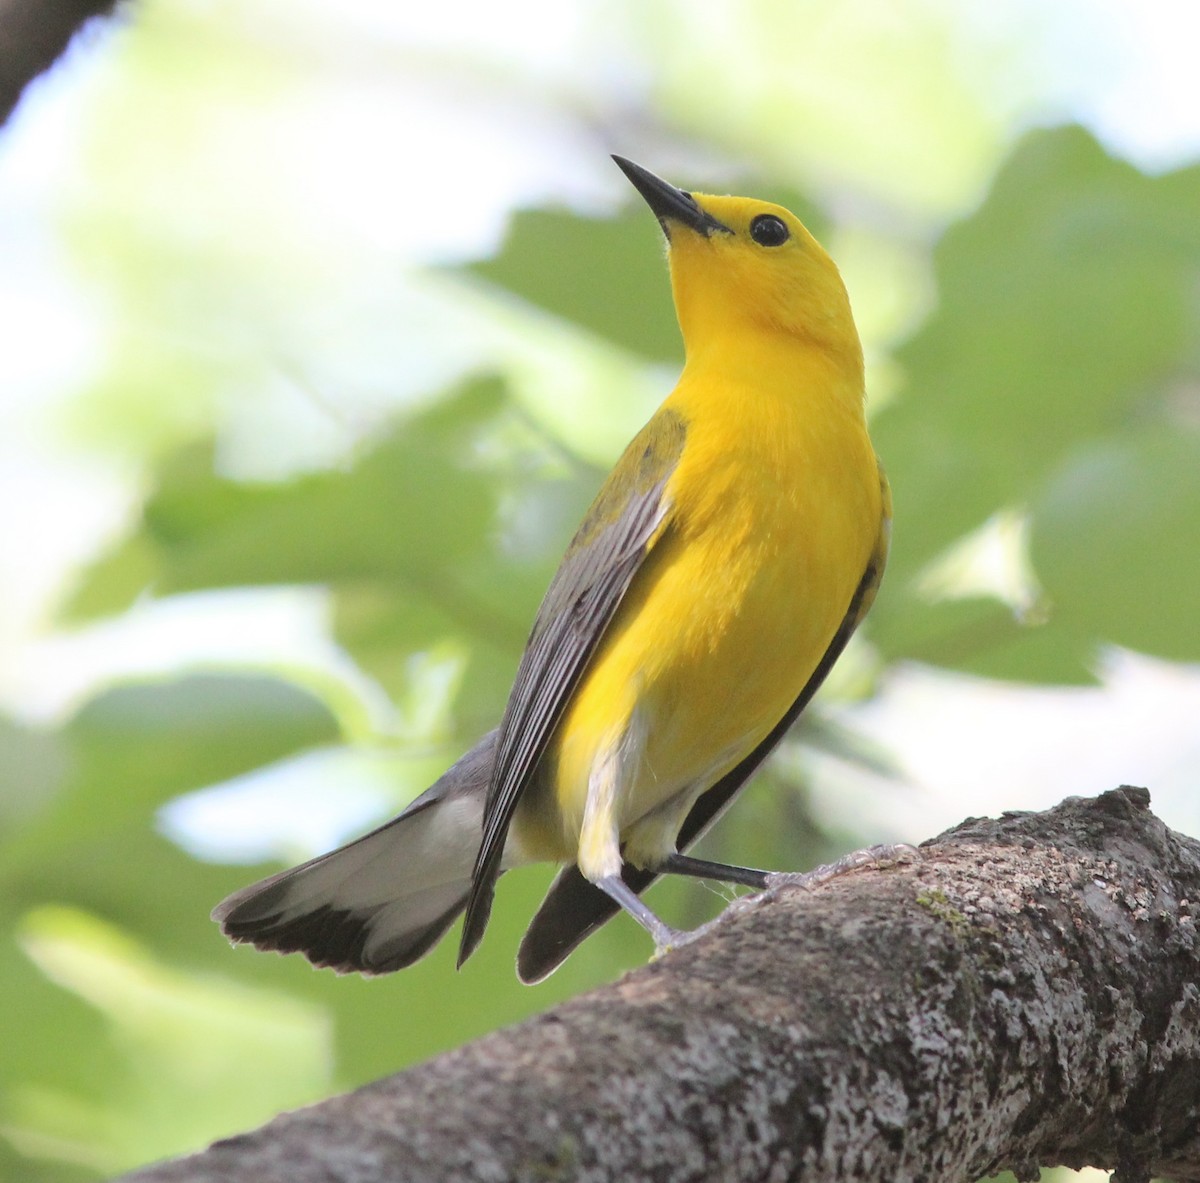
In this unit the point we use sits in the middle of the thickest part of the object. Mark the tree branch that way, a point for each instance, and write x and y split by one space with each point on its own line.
1027 993
33 33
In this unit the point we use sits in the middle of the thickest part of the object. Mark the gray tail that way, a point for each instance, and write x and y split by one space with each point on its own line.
383 901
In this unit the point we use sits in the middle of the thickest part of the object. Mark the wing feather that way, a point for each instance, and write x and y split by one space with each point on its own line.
625 520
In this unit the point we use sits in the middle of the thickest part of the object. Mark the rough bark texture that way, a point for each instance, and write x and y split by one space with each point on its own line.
1027 993
33 33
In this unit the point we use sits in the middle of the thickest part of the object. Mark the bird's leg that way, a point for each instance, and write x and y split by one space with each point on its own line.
665 937
699 868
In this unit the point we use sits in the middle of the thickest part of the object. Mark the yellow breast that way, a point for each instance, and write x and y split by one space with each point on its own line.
775 510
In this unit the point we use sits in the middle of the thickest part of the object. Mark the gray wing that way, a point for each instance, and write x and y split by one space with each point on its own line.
574 908
599 566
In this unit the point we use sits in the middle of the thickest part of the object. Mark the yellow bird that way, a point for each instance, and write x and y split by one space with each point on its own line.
712 585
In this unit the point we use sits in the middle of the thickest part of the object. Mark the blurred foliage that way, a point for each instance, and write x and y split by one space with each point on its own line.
1054 382
1057 377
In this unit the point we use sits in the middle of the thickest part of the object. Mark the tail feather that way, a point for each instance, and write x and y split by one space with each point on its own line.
383 901
572 910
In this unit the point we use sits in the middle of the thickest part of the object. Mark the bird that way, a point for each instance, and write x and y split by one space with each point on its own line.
711 586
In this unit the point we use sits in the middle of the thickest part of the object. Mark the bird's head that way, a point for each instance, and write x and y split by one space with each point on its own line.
742 268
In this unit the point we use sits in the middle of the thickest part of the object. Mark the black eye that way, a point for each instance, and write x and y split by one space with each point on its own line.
768 230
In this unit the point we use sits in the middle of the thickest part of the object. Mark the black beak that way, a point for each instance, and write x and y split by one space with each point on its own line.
668 203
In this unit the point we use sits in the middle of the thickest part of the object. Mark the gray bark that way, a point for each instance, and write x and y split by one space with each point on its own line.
1027 993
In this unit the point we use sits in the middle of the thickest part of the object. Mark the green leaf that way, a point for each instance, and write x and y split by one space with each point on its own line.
113 582
32 766
980 635
1115 541
136 746
410 506
1065 317
31 1011
171 1036
418 500
1059 302
606 275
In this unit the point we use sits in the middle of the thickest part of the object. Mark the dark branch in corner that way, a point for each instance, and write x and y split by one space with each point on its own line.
33 34
1027 994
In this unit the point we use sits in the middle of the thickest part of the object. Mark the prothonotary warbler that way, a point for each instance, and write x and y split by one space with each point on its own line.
713 583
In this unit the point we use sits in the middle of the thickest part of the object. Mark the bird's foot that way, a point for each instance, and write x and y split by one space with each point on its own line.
668 939
873 856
